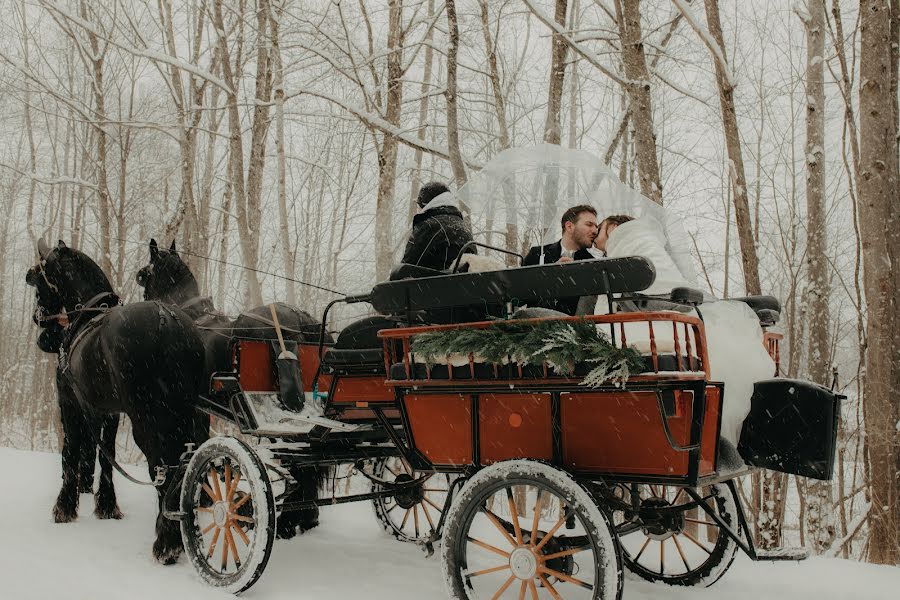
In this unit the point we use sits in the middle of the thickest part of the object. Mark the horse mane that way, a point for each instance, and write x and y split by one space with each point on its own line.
180 272
87 268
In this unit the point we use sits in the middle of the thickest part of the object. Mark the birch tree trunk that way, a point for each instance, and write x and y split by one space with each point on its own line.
820 526
416 180
552 126
877 192
248 233
387 159
749 259
640 108
456 162
283 226
96 61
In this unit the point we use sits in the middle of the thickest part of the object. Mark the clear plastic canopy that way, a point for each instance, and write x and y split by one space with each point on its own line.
520 196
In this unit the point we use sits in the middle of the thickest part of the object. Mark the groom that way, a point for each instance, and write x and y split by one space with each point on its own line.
579 228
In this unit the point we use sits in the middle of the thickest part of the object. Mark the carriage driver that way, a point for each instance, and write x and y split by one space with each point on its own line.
579 228
438 232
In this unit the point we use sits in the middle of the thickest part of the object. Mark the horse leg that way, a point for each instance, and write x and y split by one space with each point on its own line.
66 508
87 455
308 482
105 505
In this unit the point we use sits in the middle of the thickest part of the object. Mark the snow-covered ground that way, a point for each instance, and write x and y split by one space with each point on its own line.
348 556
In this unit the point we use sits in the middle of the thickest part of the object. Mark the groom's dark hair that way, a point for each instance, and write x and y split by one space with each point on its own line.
571 215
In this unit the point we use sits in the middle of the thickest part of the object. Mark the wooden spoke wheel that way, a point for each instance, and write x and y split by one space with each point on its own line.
412 514
229 522
522 529
673 542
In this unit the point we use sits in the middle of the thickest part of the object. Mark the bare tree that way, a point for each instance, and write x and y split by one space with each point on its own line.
877 197
552 126
456 161
819 514
628 16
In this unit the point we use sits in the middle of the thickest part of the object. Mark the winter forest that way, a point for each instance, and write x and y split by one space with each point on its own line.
281 144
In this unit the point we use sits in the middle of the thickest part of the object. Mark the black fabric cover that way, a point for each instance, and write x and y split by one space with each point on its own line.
364 332
552 253
438 235
791 428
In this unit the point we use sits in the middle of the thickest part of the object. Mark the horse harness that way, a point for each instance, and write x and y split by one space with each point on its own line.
84 324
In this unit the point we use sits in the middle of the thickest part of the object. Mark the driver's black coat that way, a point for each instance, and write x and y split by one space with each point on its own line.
438 235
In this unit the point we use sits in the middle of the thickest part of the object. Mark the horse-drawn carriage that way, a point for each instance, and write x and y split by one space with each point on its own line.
542 472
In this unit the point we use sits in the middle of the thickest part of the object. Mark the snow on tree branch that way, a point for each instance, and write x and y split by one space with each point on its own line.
707 38
374 121
141 52
574 45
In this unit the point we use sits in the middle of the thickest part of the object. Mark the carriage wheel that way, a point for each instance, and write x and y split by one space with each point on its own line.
522 529
679 547
412 514
229 522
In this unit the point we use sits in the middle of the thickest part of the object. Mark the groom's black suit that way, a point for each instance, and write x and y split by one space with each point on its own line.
552 253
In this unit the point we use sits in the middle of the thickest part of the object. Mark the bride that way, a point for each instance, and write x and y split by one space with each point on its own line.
734 338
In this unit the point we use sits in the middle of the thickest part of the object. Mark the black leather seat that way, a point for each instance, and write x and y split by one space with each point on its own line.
359 350
767 308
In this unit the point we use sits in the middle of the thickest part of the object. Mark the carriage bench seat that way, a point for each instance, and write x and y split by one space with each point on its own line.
353 361
767 308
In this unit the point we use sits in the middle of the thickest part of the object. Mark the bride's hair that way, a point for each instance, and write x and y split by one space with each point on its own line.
616 220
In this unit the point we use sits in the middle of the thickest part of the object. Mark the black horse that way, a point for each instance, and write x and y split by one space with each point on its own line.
168 279
143 359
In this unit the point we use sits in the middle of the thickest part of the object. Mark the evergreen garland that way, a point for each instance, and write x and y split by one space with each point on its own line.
562 344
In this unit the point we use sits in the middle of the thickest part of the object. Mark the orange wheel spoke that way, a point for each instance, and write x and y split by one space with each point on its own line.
678 495
406 467
553 529
549 587
415 510
693 539
681 553
568 552
233 546
707 523
225 547
641 551
227 482
393 472
533 588
435 506
405 518
662 557
486 571
566 578
243 519
514 514
234 483
240 532
209 492
240 502
493 519
537 516
212 543
522 589
208 528
204 509
428 516
504 586
487 546
214 474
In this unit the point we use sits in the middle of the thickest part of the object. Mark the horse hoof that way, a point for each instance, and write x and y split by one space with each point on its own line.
108 512
167 556
307 525
285 532
64 515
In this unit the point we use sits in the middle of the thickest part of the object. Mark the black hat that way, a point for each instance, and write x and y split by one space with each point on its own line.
430 191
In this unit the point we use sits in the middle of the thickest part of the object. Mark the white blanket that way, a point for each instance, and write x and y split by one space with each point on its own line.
734 340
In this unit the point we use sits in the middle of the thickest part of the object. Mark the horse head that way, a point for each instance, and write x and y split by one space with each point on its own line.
63 278
166 277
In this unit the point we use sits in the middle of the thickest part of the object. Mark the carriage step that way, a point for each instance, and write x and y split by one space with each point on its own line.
798 553
326 423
